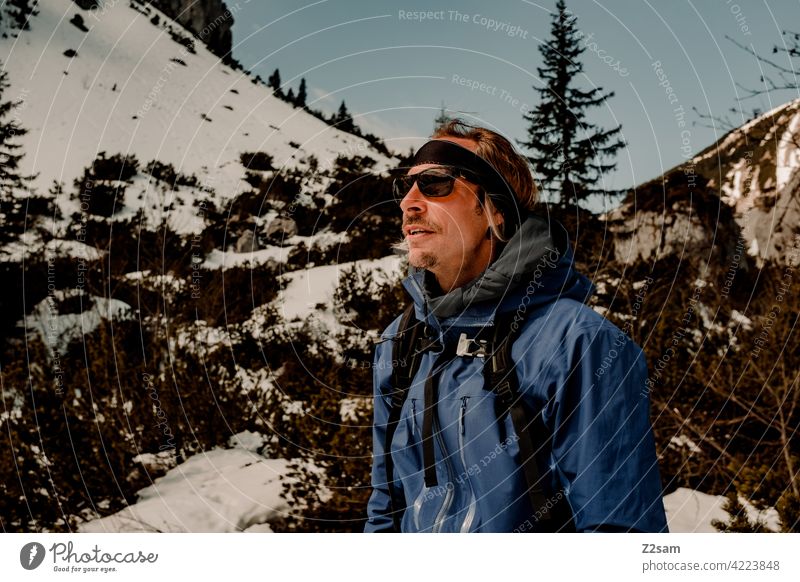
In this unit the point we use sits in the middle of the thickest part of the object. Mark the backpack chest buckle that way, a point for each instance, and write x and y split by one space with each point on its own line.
472 347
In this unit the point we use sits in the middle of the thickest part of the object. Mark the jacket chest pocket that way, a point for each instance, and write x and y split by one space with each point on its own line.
483 438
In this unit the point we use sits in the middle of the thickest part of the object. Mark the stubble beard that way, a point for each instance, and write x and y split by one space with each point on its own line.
424 261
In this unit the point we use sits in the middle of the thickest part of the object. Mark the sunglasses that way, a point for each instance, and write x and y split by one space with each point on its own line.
433 183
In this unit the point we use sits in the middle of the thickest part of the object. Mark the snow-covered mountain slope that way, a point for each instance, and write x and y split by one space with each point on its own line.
737 197
126 86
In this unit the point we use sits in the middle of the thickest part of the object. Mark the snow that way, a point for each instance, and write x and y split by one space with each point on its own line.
684 441
741 319
737 134
151 204
254 381
28 244
351 408
57 329
165 281
247 440
124 93
740 186
601 310
73 249
690 511
753 248
162 461
308 288
201 337
237 489
221 490
220 259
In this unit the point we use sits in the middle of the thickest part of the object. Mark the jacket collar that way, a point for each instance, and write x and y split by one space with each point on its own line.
534 268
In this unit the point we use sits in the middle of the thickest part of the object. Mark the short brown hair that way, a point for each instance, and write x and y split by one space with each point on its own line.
500 153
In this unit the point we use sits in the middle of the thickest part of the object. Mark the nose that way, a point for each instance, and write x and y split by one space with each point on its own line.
413 202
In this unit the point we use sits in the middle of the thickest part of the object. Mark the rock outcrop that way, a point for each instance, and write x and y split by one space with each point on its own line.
208 20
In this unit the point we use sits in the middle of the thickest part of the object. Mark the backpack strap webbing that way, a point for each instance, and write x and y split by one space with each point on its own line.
500 376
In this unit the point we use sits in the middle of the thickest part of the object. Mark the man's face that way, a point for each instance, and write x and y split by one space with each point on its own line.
447 235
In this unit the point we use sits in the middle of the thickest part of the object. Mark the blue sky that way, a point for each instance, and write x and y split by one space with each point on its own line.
395 69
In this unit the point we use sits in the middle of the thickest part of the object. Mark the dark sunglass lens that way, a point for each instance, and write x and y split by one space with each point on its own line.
435 185
401 186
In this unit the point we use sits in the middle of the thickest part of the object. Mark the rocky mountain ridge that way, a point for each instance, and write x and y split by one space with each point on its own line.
738 197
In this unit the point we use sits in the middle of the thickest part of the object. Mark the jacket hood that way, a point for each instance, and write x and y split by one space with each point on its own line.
537 263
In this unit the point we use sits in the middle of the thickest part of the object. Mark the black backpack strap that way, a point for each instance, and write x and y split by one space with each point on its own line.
406 357
500 376
430 418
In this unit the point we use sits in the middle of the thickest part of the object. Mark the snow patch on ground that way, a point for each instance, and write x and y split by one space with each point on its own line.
57 329
73 249
222 490
217 259
690 511
315 286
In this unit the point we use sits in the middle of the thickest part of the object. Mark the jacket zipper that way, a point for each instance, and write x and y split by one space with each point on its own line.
448 497
470 516
419 500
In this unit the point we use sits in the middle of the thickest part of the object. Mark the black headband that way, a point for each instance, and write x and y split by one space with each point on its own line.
448 153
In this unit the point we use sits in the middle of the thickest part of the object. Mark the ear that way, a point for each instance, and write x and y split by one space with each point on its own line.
498 220
498 217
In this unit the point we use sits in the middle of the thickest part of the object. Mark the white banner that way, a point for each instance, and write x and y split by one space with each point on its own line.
381 558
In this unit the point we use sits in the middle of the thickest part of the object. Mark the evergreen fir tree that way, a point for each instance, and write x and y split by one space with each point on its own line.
300 100
10 154
274 82
569 153
343 119
290 96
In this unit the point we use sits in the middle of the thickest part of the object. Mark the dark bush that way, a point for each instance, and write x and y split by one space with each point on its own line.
228 296
117 167
101 188
283 187
68 454
365 302
258 161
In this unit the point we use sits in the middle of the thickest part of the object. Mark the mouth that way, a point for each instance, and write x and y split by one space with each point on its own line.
416 232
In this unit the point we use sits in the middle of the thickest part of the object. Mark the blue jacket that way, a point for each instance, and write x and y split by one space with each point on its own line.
583 371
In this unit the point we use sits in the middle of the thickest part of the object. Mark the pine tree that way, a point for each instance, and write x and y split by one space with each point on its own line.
343 119
569 153
14 209
300 100
275 82
10 154
290 95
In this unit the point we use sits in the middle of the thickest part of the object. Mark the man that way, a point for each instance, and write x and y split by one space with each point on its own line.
527 411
